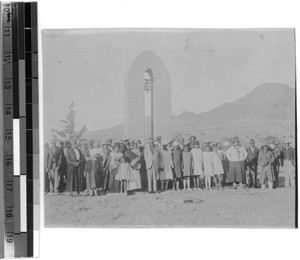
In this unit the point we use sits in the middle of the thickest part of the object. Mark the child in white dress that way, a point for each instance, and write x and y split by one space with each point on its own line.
208 166
217 166
197 164
123 173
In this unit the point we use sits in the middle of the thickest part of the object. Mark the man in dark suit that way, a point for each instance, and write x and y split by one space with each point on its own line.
62 167
105 163
73 160
252 158
52 165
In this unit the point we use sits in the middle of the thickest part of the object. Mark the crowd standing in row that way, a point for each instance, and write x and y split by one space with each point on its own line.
89 168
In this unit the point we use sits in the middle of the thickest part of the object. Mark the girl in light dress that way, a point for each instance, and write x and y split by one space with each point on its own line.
208 166
123 174
217 166
197 164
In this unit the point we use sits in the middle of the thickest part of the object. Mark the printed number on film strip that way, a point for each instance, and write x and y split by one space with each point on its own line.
20 120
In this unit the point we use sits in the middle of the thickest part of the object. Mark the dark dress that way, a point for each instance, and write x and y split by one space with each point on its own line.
72 182
62 163
143 171
236 172
99 172
80 175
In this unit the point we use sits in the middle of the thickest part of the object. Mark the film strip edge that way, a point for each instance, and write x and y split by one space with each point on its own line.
20 154
7 83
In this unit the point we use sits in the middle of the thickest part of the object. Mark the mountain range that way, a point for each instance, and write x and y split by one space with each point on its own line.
268 110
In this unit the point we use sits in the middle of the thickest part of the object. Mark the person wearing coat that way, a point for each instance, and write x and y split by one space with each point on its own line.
177 161
99 174
81 167
288 164
73 160
89 172
277 151
265 161
105 163
252 162
153 163
62 166
52 165
237 156
167 166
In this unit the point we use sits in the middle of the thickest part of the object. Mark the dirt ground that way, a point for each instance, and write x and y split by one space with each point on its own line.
254 208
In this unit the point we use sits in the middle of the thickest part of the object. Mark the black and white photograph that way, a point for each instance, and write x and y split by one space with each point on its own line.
169 128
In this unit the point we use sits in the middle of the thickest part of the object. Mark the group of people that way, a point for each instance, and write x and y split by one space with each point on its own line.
89 168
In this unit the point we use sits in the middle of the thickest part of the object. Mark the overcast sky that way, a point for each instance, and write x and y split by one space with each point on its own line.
207 68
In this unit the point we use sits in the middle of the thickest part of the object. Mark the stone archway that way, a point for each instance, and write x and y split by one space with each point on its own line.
134 97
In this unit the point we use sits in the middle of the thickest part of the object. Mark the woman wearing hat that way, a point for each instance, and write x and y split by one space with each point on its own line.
192 142
100 176
115 156
91 173
81 178
177 161
265 161
237 156
225 161
88 173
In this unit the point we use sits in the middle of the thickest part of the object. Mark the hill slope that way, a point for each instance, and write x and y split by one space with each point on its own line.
269 110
